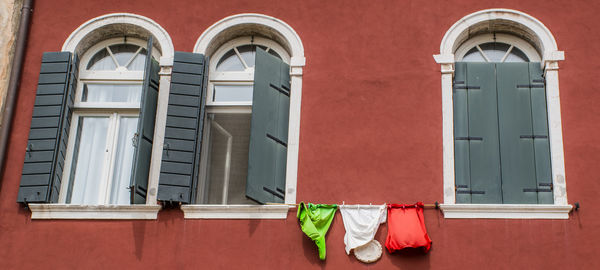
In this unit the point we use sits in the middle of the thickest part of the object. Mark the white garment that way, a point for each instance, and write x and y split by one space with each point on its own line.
361 223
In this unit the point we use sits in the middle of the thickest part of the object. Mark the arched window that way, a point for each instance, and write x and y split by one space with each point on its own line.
91 149
503 154
229 109
105 123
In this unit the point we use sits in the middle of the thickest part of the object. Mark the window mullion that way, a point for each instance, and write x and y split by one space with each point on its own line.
482 53
112 56
507 53
109 158
133 57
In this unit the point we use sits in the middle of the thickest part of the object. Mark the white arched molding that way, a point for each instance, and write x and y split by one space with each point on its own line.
272 28
115 21
533 31
113 25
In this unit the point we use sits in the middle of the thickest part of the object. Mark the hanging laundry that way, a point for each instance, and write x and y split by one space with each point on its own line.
361 223
315 220
406 227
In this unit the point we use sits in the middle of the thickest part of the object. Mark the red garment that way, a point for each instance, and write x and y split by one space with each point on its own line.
406 227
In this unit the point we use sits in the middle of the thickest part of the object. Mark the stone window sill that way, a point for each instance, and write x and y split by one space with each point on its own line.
70 211
506 211
235 211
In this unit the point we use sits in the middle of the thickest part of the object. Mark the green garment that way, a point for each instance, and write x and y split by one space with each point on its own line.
314 222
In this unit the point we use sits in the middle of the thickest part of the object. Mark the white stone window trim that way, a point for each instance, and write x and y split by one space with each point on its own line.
297 62
522 45
550 57
72 211
151 208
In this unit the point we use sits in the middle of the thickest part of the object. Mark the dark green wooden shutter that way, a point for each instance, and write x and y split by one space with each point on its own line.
269 129
461 130
145 130
526 174
183 133
541 141
481 140
48 135
505 104
516 148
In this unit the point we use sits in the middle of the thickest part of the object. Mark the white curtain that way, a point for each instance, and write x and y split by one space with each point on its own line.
89 161
129 93
120 193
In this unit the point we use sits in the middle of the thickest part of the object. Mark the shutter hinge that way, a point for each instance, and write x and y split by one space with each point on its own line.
274 193
469 138
533 137
276 140
530 86
468 191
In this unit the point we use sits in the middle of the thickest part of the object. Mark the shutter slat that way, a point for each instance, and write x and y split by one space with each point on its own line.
42 167
183 132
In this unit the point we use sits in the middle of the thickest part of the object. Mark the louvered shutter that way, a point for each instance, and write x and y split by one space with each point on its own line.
183 133
48 135
145 130
481 139
268 130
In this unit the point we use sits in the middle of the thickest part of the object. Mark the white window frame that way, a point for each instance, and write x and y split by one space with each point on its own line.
245 77
550 57
77 40
522 45
295 50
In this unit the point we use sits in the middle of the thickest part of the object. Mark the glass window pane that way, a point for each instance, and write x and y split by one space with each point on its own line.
123 52
248 52
223 127
230 62
473 56
516 55
494 50
138 62
101 61
232 93
130 93
119 193
88 160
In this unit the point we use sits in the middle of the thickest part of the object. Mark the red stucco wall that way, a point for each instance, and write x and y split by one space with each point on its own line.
371 132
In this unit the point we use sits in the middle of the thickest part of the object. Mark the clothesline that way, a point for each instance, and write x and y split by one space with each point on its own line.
435 205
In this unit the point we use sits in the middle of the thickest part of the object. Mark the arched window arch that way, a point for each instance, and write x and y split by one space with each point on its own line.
100 95
496 48
106 110
254 82
473 56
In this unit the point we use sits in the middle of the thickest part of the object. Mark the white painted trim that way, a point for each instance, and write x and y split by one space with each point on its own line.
161 35
297 62
235 211
550 59
69 211
291 37
522 45
548 43
506 211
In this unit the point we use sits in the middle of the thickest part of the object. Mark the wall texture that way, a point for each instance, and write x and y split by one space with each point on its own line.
10 10
371 132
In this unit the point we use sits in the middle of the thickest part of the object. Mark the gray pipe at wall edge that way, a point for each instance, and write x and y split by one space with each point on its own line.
14 81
